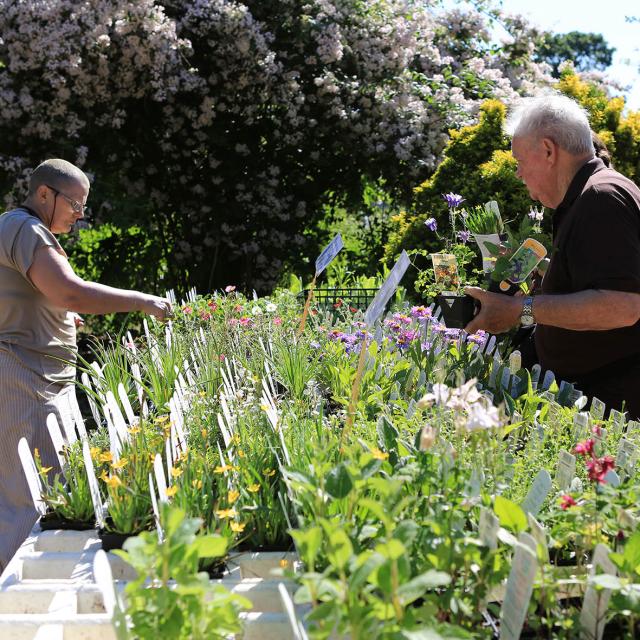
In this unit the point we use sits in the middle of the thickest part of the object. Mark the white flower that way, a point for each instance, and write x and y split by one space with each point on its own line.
256 310
271 307
439 395
481 417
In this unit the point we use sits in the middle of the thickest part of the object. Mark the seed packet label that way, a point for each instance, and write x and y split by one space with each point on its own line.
515 362
93 485
536 370
537 493
566 470
612 478
597 409
488 528
519 588
539 534
596 602
580 426
618 419
378 304
31 473
328 254
548 379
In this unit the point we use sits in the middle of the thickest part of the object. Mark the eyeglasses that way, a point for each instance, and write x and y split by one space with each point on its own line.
78 207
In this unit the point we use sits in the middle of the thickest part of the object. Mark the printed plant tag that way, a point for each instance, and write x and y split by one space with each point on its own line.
519 588
597 409
618 418
539 534
378 304
612 478
328 254
126 403
491 344
580 426
548 379
538 493
627 456
488 528
596 601
297 629
505 381
566 470
536 370
515 362
31 473
93 485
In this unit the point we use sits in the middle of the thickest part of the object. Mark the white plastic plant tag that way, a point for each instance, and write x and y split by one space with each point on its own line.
94 489
126 403
618 418
548 379
536 371
104 580
31 473
328 254
566 470
597 409
77 415
297 630
488 528
627 456
86 381
600 437
168 452
56 437
411 409
519 588
633 426
225 433
114 440
539 534
488 394
490 346
118 418
515 362
378 304
154 505
580 426
612 478
537 493
476 481
596 601
161 481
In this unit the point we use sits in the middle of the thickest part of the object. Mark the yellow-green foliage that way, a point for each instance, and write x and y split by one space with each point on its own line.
478 165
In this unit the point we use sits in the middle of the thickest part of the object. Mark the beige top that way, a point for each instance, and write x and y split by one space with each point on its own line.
41 335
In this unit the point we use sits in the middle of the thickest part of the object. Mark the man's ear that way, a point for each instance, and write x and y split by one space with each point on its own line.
550 149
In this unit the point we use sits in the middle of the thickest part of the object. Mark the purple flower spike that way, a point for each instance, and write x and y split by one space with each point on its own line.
453 199
431 224
463 236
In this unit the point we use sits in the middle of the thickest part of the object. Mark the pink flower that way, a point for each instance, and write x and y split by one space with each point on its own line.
277 321
567 501
222 357
212 305
245 321
187 309
597 468
229 288
204 315
585 448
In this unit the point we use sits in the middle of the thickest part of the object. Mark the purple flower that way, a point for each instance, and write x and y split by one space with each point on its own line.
431 224
315 345
401 318
463 236
453 199
480 337
420 312
405 338
426 346
452 334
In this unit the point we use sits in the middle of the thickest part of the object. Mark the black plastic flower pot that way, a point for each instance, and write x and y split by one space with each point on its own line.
111 540
51 521
457 309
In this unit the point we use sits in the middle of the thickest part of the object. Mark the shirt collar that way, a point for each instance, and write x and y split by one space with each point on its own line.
579 180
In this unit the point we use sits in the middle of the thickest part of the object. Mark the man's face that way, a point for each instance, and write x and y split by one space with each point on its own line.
534 168
64 206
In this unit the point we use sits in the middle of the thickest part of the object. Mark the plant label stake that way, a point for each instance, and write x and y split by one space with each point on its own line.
161 481
375 309
56 437
515 362
540 536
536 370
612 478
595 603
566 470
488 528
31 473
597 409
94 489
538 493
627 456
618 419
548 379
77 415
519 588
287 603
154 504
580 425
86 381
126 403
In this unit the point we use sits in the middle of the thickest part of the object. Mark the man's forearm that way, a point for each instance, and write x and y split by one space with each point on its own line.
590 310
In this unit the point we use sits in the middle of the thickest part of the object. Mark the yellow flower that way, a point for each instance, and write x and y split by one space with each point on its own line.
232 496
223 469
379 455
161 419
269 473
45 470
171 491
95 452
107 456
202 394
238 527
197 483
113 481
241 454
254 488
203 433
134 430
120 464
235 439
264 407
176 472
226 513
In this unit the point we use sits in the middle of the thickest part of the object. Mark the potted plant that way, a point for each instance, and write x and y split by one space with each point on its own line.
485 224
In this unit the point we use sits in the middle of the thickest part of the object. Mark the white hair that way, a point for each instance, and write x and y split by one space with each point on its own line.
556 117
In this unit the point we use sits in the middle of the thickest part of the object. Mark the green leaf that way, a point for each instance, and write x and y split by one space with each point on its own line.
417 587
510 514
308 544
631 553
210 546
339 482
339 549
391 549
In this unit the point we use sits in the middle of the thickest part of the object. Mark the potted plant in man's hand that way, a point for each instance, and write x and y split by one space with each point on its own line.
484 222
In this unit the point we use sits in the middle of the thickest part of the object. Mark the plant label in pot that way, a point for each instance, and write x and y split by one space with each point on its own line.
484 240
525 259
445 269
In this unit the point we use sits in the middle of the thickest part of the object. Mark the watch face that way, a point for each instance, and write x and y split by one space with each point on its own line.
526 321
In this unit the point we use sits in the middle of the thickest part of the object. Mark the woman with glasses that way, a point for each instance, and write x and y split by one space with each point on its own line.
40 297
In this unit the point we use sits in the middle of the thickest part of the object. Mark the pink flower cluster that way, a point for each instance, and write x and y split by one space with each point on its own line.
597 468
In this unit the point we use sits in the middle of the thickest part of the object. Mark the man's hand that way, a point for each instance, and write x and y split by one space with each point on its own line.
498 312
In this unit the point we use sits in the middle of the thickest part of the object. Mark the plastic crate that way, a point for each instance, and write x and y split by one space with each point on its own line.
335 298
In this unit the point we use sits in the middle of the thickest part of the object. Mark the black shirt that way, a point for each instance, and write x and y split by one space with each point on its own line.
596 245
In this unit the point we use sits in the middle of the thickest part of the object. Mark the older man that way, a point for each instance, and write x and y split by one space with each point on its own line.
38 293
587 315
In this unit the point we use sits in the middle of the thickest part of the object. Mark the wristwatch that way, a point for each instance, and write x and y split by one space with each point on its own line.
526 316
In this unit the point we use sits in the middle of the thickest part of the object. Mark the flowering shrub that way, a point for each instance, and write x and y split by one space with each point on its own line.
221 126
